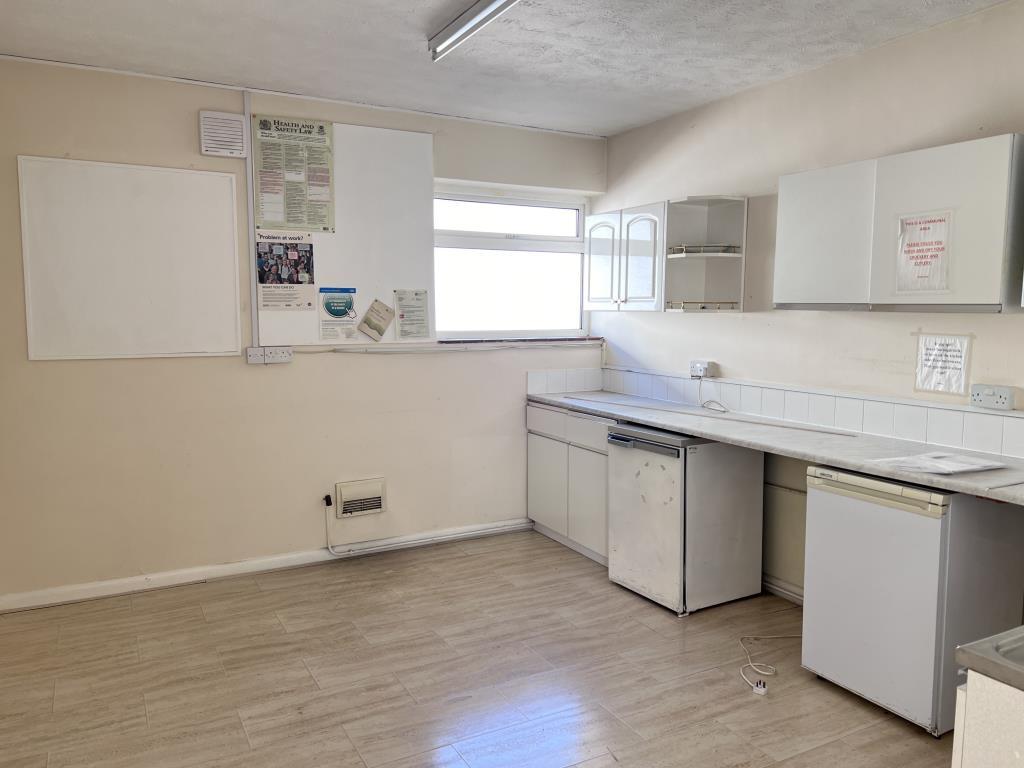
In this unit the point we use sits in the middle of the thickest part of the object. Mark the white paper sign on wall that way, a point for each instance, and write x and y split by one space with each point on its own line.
923 256
942 364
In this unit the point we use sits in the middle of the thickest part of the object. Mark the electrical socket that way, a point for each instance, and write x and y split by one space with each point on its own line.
268 355
277 355
993 396
702 369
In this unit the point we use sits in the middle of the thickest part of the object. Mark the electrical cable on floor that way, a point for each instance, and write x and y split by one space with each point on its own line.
711 405
758 667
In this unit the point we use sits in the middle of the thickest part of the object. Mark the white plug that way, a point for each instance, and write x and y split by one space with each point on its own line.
700 369
760 688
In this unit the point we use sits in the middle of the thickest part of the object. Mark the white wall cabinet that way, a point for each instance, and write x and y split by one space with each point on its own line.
624 259
567 478
823 240
847 239
967 184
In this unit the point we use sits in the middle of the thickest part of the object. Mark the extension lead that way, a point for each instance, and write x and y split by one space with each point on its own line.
759 687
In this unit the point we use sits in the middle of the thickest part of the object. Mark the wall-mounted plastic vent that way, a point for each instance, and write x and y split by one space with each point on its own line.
360 497
223 134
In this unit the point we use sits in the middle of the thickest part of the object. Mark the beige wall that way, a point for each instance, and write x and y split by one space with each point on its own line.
958 81
117 468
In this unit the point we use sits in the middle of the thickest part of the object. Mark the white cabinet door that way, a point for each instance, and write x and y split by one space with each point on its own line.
547 477
965 184
601 262
642 257
588 499
823 242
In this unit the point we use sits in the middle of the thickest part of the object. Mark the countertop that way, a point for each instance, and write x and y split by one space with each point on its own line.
818 445
1000 657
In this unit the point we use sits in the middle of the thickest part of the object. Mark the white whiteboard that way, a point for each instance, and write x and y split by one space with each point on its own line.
384 230
128 260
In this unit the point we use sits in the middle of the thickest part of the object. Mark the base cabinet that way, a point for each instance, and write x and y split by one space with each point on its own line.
588 499
989 725
547 479
567 478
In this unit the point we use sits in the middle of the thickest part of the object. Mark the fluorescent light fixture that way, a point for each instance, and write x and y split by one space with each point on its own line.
468 23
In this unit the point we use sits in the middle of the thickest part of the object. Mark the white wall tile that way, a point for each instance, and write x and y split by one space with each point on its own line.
945 427
575 380
708 390
750 399
1013 437
556 380
689 391
983 432
732 395
675 389
643 384
773 403
850 413
628 383
910 422
878 418
594 379
797 406
821 409
659 387
536 382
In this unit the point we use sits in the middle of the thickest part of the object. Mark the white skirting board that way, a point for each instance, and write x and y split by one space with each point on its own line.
783 589
74 593
566 542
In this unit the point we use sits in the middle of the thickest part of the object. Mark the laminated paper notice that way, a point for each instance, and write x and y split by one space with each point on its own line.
377 320
412 319
284 269
337 313
942 364
923 258
293 173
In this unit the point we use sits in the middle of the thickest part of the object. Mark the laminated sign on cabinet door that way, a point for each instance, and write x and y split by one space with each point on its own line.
923 252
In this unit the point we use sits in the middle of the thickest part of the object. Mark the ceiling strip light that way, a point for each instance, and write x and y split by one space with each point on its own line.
468 23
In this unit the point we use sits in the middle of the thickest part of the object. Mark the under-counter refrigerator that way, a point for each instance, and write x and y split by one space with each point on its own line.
684 517
895 577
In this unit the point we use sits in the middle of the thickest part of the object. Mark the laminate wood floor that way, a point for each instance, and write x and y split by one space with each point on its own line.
503 651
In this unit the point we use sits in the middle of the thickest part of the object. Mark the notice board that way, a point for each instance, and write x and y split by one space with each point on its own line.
128 260
383 186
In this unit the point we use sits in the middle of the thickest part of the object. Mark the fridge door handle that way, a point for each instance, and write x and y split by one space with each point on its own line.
643 445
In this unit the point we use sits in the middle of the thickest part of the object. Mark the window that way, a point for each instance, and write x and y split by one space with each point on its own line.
507 268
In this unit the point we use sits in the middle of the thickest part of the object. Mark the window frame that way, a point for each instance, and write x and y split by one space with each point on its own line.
500 241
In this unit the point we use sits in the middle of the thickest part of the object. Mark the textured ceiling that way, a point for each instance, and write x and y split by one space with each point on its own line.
589 66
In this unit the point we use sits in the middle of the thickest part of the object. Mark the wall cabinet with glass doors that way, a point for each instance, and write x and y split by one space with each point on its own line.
678 256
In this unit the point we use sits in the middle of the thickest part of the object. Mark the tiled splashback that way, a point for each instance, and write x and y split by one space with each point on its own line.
954 426
555 381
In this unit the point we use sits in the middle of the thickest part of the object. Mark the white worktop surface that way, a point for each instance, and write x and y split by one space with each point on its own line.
819 445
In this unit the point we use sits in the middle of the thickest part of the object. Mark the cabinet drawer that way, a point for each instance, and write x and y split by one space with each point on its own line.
588 432
546 421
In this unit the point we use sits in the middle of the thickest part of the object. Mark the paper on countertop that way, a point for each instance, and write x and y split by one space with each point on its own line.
939 463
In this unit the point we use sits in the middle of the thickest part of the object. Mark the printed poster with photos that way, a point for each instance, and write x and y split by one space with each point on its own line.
285 272
293 173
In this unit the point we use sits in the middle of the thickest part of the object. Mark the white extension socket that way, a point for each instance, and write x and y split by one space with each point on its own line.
268 355
993 396
702 369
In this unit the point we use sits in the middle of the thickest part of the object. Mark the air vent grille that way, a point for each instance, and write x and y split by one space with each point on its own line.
360 497
223 134
357 506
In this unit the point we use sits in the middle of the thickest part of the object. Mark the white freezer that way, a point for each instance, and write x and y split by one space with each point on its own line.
895 578
684 517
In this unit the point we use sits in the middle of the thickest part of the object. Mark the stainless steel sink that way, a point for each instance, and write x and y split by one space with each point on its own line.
1000 657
